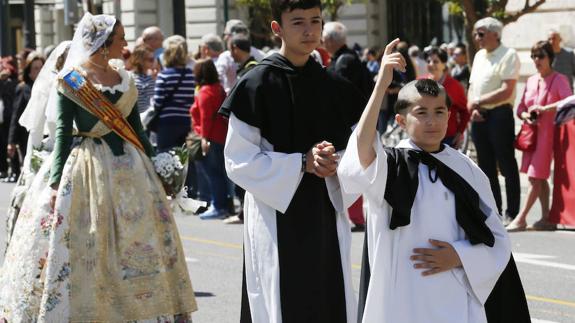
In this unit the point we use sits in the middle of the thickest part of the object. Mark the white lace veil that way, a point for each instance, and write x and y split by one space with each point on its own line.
90 35
40 101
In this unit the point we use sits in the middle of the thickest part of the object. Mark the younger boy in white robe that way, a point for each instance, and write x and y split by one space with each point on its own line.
436 246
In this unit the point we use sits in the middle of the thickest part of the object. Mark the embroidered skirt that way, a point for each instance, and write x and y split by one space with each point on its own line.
110 251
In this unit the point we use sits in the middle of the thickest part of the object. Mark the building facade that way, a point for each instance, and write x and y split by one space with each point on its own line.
370 23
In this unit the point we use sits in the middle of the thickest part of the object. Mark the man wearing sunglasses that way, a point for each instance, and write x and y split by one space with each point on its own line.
491 96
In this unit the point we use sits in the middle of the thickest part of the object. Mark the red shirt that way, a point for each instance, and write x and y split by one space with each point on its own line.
206 121
459 114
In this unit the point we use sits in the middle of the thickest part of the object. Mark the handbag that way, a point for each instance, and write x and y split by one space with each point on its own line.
526 139
152 115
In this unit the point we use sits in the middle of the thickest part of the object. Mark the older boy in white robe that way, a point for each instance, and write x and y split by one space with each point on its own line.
435 244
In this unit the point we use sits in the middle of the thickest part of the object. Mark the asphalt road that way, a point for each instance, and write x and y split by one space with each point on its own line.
546 262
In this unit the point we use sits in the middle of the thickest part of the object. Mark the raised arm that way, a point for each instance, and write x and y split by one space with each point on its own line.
366 128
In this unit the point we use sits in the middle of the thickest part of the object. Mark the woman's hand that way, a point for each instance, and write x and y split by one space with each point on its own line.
535 108
205 146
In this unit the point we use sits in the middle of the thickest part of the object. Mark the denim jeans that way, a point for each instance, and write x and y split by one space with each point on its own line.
493 139
214 168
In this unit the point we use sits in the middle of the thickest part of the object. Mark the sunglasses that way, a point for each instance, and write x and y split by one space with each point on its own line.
479 34
539 56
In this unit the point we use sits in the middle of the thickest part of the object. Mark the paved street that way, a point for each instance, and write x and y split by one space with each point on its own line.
546 262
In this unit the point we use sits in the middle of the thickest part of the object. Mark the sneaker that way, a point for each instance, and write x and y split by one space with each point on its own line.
212 214
233 220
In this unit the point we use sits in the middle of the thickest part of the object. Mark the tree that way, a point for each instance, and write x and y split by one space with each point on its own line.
473 10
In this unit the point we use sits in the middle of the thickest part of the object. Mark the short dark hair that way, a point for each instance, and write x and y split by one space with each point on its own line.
242 42
280 6
545 48
462 47
427 87
440 53
205 72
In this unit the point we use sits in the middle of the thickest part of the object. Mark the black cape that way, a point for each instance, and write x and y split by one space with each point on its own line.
294 108
507 302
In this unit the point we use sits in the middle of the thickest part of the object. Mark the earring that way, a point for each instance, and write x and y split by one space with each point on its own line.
105 53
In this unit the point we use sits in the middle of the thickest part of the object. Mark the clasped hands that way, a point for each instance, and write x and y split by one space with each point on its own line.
436 260
322 160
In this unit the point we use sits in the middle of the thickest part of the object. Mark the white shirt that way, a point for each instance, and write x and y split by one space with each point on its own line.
227 67
489 71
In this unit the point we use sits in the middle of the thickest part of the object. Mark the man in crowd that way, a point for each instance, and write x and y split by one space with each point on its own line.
344 60
227 68
153 38
240 51
419 63
461 71
490 99
211 46
346 64
564 61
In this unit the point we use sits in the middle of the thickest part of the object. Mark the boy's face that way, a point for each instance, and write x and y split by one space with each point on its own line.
300 30
426 122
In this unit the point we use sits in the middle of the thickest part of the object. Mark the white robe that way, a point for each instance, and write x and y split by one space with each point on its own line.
270 180
398 292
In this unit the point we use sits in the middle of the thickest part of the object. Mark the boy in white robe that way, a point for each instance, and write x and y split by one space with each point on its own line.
435 244
287 118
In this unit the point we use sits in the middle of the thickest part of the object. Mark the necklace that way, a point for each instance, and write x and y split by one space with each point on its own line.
98 65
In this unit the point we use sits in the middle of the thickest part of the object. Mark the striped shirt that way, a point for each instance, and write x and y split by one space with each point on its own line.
176 111
145 85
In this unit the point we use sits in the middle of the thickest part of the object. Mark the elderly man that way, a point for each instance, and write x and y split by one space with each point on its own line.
227 68
344 61
211 46
490 99
153 38
564 61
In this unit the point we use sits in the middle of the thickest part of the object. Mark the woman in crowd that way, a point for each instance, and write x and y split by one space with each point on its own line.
212 127
142 61
38 117
459 115
18 136
114 253
543 88
563 206
173 95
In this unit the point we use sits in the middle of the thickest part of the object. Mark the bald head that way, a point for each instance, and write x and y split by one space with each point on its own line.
413 91
153 37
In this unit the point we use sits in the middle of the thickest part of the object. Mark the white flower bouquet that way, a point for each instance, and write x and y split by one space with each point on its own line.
172 168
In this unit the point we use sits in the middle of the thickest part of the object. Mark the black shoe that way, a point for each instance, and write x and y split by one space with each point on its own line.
358 228
3 175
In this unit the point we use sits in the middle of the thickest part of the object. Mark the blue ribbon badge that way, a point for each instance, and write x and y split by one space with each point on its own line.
75 80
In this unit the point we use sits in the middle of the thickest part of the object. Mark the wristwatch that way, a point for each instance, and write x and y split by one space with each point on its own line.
303 162
477 100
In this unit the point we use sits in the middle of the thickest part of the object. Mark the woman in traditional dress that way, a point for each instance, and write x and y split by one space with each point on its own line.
114 253
563 202
39 118
543 88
